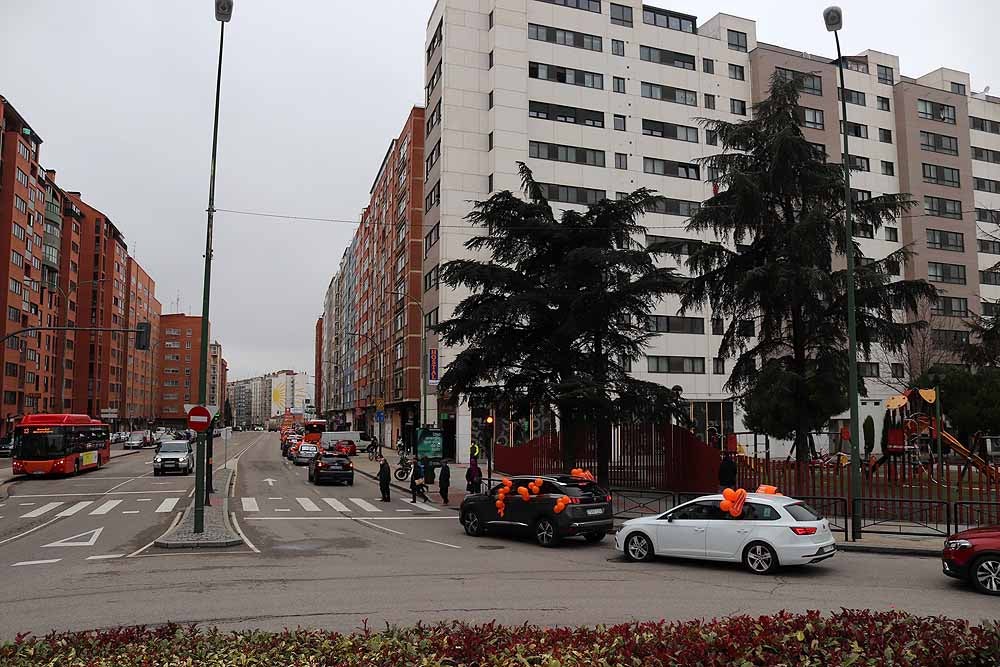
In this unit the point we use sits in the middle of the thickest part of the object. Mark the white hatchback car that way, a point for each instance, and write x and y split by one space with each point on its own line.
773 531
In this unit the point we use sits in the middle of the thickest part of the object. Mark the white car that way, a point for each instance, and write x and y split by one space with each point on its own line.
773 531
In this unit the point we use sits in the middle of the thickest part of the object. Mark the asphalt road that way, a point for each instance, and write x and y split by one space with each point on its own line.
322 556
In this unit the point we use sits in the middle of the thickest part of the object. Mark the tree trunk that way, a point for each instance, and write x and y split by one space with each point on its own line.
603 433
569 429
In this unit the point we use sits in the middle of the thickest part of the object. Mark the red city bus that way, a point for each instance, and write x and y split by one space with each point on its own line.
47 444
314 431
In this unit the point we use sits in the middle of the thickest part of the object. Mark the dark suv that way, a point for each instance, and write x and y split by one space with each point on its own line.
588 514
330 466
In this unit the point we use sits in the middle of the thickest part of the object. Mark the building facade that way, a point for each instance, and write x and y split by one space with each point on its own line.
179 363
139 405
318 369
217 371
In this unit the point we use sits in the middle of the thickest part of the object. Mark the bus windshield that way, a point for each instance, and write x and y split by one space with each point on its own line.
39 444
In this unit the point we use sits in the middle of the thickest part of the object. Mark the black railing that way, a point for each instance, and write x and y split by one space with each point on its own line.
898 516
831 508
972 513
629 503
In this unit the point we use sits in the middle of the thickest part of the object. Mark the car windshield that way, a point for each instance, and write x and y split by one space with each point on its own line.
173 448
803 512
576 489
136 437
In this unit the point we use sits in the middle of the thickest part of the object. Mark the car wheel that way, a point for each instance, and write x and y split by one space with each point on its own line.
760 558
546 533
594 538
473 524
76 467
156 473
986 575
350 482
638 547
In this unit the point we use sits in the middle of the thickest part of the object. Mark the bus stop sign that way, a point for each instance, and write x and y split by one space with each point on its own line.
199 419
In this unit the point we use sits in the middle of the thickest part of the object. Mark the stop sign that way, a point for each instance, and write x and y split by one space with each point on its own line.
199 418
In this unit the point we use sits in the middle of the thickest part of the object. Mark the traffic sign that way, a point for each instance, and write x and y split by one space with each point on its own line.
199 418
380 404
380 416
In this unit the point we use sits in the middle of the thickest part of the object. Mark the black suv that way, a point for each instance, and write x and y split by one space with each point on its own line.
588 514
329 466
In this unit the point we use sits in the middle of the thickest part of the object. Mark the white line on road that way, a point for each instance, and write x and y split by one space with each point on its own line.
364 504
404 510
96 493
130 511
167 505
375 525
336 504
307 505
106 507
349 518
143 500
28 532
27 504
250 505
105 557
444 544
73 509
275 498
47 507
239 531
36 562
425 507
282 510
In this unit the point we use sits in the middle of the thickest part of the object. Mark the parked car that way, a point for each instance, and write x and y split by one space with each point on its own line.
292 447
138 440
333 467
974 556
345 447
359 439
173 456
773 531
588 514
304 453
6 446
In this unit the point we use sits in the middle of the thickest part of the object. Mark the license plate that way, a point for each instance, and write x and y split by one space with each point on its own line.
595 512
828 549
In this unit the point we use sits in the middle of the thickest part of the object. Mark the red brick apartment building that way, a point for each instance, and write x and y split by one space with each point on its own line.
141 379
179 360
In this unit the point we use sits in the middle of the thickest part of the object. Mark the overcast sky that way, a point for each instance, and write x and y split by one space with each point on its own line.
121 92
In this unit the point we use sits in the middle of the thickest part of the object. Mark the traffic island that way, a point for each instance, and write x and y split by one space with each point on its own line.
218 529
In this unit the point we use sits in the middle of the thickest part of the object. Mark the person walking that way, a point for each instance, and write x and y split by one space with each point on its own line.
444 480
417 481
384 478
473 477
727 472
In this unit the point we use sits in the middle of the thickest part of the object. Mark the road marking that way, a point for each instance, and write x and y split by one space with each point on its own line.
444 544
130 511
239 531
404 510
274 498
29 531
167 505
282 510
47 507
336 504
76 541
96 493
105 557
375 525
250 505
143 500
364 504
349 518
27 504
36 562
73 509
307 505
424 506
106 507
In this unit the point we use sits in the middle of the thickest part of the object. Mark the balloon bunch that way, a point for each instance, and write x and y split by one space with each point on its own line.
769 490
585 474
502 496
561 504
732 501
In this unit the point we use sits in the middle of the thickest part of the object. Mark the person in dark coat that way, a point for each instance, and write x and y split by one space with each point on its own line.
384 477
444 480
417 481
727 472
473 477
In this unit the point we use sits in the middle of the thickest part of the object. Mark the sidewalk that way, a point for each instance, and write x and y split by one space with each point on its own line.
456 492
898 545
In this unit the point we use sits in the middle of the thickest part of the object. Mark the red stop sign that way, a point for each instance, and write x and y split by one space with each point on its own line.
199 419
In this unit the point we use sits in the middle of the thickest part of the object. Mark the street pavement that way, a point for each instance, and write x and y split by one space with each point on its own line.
335 557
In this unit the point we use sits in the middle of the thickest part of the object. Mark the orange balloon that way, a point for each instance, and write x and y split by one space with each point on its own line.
506 482
499 504
565 500
558 508
729 495
538 481
741 497
725 505
523 492
766 488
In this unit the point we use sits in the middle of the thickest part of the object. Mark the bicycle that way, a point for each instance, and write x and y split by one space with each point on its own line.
372 451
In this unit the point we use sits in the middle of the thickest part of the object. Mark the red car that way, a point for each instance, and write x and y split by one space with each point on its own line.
974 556
347 447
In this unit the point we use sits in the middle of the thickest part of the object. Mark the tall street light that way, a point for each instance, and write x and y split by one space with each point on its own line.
834 19
223 13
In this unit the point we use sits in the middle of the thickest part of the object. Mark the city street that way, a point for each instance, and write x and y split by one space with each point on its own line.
74 554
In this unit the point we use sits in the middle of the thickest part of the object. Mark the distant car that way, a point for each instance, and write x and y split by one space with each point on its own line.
138 440
773 531
6 446
974 556
304 453
345 447
173 456
333 467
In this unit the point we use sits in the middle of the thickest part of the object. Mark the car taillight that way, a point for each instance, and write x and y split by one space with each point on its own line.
350 465
319 464
804 530
607 498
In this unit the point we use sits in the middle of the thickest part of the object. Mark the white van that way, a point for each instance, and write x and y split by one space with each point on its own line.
359 438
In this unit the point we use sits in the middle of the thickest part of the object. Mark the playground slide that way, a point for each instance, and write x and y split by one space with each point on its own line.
990 471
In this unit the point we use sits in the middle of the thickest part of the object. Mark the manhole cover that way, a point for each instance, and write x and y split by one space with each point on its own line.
490 547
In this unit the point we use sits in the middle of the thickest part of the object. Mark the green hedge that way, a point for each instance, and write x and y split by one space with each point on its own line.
845 638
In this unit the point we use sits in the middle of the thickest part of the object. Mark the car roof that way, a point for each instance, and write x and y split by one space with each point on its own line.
766 498
175 442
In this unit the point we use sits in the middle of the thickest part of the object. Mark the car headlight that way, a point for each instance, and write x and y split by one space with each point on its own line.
957 545
157 460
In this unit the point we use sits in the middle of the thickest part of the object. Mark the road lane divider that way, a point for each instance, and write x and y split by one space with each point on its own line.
47 561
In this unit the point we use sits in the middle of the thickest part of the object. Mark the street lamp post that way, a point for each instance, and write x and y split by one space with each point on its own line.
834 19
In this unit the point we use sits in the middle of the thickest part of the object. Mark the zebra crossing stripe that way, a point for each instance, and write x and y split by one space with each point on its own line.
364 504
307 505
106 507
167 505
73 509
250 505
39 511
336 504
422 506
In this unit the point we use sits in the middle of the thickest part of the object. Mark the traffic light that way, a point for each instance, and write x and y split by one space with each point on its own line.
223 10
142 333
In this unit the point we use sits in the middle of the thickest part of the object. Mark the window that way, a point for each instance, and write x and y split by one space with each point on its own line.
433 197
669 58
950 306
562 114
670 168
575 77
986 185
985 155
569 194
433 81
618 84
21 177
944 113
940 175
13 314
888 168
885 74
431 238
939 272
882 103
987 215
859 163
621 15
617 47
949 337
891 234
851 96
737 72
431 278
854 129
989 277
984 125
868 369
718 326
621 161
708 65
673 245
561 153
489 61
489 183
20 205
619 122
813 118
489 142
668 206
655 91
942 240
431 318
938 143
711 137
489 100
435 40
709 101
654 128
691 365
864 231
17 259
884 135
23 151
989 247
586 5
432 159
490 21
718 366
580 40
897 370
675 324
662 18
737 40
811 83
435 117
958 88
943 208
738 107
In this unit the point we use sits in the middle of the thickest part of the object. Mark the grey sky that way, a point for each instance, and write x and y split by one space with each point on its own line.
122 90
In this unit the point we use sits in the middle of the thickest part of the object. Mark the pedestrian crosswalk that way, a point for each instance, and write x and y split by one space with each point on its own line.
60 509
349 506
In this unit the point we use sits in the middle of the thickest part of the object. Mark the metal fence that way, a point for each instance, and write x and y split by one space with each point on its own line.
897 516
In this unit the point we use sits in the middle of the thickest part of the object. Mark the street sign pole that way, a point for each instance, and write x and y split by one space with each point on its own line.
199 419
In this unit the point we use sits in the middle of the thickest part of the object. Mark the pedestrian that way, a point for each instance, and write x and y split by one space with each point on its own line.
400 447
384 476
444 480
428 471
473 477
727 472
417 481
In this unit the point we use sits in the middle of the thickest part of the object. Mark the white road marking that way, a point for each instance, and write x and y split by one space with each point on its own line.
364 504
29 531
105 557
424 506
130 511
47 507
143 500
444 544
106 507
282 510
239 531
349 518
77 541
36 562
336 504
73 509
116 493
250 505
167 505
404 510
275 499
307 504
375 525
27 504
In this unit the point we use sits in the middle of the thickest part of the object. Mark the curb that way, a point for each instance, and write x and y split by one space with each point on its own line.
164 543
890 551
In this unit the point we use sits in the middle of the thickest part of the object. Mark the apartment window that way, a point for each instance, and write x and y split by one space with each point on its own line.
621 15
939 272
654 128
989 247
617 47
950 337
708 65
864 231
21 177
950 306
675 324
888 168
670 168
943 208
561 153
490 21
431 319
433 197
569 194
737 40
655 91
621 161
718 326
13 314
868 369
618 84
619 122
737 72
431 238
435 118
984 125
669 58
489 141
17 259
431 278
897 370
958 88
938 143
489 100
433 81
16 287
986 185
489 61
586 5
851 96
882 103
10 397
718 366
811 83
985 155
575 77
563 114
989 277
711 137
940 175
944 113
431 160
884 135
738 107
662 18
489 183
942 240
668 206
885 74
709 101
580 40
20 205
673 246
989 308
854 129
688 365
859 163
813 118
987 215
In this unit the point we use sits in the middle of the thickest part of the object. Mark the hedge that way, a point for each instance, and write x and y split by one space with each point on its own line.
844 638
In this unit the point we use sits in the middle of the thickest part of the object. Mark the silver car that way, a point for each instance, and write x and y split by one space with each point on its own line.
305 453
173 456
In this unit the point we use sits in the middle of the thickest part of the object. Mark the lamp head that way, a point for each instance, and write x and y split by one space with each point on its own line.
223 10
834 18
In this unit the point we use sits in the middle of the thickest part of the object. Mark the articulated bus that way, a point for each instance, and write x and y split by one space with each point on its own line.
48 444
